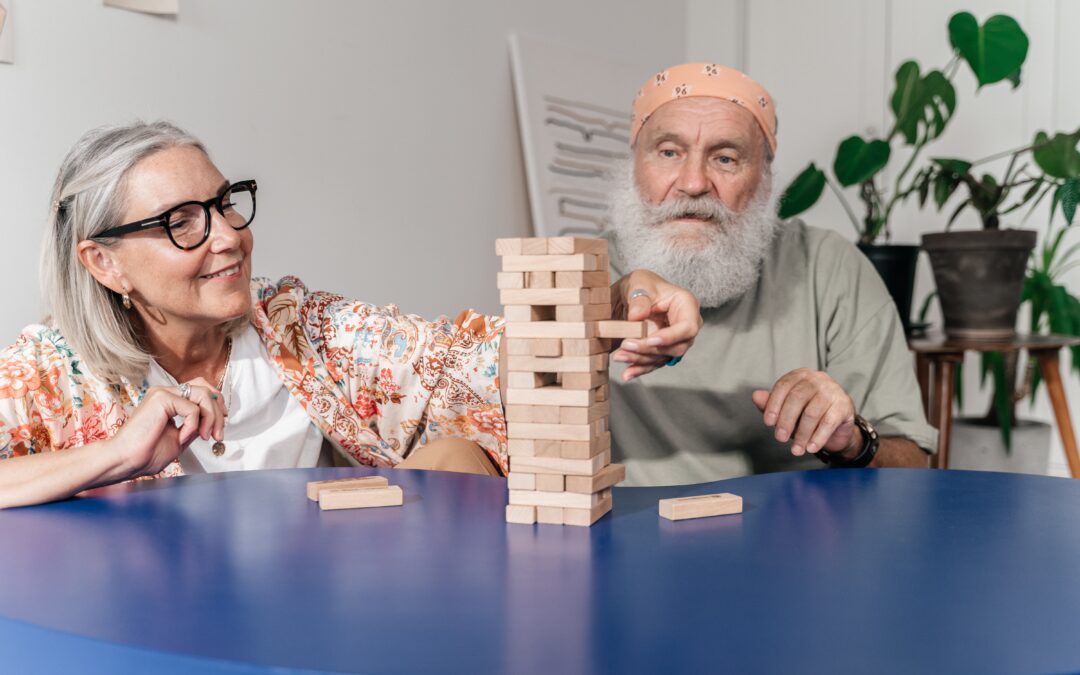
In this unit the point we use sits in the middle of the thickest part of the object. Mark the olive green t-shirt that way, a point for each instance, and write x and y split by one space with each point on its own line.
818 304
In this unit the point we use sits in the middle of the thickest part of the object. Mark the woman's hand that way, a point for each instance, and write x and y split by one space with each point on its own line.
673 316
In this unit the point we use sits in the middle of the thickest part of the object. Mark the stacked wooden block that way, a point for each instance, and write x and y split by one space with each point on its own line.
556 294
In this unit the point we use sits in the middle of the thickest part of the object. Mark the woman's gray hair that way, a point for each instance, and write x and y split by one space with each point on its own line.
88 198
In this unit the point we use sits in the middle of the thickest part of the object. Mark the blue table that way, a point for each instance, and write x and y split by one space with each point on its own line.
869 571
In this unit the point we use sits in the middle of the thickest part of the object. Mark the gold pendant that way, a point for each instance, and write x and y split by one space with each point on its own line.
219 449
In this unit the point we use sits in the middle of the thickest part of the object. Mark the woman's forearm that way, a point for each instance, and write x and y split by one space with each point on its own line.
50 476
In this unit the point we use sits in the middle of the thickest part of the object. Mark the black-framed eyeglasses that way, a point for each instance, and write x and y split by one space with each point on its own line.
188 224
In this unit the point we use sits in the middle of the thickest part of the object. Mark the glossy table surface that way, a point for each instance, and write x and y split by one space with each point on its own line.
868 571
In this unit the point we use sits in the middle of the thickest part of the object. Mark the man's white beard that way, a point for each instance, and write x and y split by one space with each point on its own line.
717 261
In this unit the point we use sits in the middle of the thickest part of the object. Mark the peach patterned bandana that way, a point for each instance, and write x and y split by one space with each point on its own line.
704 79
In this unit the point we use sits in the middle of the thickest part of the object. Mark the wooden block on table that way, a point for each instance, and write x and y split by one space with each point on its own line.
616 329
534 246
550 329
559 364
316 486
589 449
573 398
600 296
523 313
549 515
520 515
569 467
578 415
539 279
360 498
525 380
610 475
586 517
543 296
585 347
598 279
553 432
566 500
701 506
507 247
549 263
510 280
583 312
583 380
522 481
534 347
550 482
568 245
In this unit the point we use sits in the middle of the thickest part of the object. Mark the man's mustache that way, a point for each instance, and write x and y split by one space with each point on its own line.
706 208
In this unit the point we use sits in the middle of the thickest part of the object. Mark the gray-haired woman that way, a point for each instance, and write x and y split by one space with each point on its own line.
156 318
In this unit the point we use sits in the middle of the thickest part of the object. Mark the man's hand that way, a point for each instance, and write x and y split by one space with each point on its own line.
809 408
672 313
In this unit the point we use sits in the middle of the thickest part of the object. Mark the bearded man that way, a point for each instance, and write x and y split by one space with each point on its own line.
802 356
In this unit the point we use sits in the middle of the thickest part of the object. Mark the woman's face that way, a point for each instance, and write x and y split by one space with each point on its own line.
203 287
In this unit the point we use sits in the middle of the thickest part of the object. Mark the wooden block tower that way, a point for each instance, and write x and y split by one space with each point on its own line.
556 294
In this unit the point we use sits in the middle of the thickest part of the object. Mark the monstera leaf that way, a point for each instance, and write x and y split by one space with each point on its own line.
921 103
995 50
857 160
803 192
1058 156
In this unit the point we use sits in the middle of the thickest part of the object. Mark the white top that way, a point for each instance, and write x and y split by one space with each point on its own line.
267 428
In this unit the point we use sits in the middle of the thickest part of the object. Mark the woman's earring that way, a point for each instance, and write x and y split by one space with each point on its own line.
126 300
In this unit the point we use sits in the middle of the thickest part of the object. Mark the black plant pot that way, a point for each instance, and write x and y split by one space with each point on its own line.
896 265
980 280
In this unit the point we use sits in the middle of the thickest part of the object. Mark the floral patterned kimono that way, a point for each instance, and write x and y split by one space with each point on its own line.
377 383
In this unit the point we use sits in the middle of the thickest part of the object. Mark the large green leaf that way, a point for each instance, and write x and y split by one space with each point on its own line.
858 161
923 103
1058 156
803 192
995 50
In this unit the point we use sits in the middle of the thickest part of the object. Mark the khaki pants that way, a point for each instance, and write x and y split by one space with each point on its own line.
451 454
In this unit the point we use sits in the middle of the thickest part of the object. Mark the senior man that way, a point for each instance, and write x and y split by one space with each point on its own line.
801 357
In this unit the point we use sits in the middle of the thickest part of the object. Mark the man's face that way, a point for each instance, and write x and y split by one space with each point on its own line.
699 147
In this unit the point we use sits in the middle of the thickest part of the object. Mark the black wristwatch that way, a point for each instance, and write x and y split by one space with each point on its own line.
865 456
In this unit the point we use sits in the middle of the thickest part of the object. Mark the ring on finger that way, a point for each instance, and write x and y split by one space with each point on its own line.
184 390
639 293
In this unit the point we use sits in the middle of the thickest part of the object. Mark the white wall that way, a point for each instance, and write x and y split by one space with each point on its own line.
829 65
383 135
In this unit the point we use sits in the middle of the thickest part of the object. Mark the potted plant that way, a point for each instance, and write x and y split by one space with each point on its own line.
922 105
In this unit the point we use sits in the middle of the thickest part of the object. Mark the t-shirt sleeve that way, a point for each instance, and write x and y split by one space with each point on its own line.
865 348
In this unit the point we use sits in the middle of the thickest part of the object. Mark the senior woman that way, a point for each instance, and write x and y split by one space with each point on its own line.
163 356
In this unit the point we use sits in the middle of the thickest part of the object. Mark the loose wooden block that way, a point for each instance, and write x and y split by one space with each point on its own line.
549 263
360 498
585 347
583 312
550 482
554 432
543 296
550 329
574 467
520 515
316 486
607 477
507 247
534 246
539 279
522 481
583 380
616 329
523 313
702 506
549 515
520 447
523 380
560 364
600 296
575 398
568 245
586 517
510 280
578 415
589 449
597 279
567 500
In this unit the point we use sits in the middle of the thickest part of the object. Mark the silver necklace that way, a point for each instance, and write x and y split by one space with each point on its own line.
219 446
